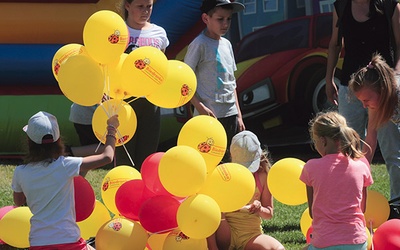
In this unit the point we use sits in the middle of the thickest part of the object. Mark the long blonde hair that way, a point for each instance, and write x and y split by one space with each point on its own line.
377 76
333 125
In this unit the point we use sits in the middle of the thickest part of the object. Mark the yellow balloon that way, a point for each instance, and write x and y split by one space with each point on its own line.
369 240
207 135
105 36
15 226
284 181
156 241
121 234
177 240
126 116
62 55
143 71
114 87
199 216
178 88
231 185
81 80
112 181
92 224
377 209
182 171
305 222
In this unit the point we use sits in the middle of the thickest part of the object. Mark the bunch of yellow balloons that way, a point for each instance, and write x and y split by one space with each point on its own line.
195 190
99 70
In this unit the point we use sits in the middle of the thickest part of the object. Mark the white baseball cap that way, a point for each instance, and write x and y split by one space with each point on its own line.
40 125
245 149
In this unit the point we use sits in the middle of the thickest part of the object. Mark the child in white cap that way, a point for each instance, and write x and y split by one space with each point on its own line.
242 229
45 182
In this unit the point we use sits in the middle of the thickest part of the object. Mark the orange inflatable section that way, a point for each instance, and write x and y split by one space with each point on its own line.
48 22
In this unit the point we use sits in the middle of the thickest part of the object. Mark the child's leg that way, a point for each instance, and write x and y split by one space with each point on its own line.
221 239
265 242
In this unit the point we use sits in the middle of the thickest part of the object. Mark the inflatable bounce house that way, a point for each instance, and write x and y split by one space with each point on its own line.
33 31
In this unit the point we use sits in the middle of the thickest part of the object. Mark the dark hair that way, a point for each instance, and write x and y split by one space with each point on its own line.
41 152
377 76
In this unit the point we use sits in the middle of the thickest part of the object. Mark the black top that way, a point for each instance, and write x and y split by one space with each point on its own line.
362 40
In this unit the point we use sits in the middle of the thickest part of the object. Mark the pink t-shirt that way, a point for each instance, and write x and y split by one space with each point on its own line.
338 182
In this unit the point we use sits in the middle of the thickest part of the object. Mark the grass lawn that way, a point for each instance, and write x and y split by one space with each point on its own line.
285 226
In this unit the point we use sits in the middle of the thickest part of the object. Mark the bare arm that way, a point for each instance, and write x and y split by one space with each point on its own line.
95 161
240 118
265 207
396 31
371 141
19 199
310 197
201 108
364 200
87 150
333 56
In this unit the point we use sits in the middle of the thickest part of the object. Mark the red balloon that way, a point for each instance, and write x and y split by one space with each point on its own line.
387 236
5 210
130 197
308 235
150 175
85 199
158 214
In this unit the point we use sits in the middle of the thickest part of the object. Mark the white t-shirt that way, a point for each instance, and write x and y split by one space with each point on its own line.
155 37
49 191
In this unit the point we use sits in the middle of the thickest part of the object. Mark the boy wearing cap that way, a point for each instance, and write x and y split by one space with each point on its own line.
211 57
45 182
242 229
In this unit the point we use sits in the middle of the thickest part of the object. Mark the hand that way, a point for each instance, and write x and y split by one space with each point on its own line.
206 111
241 125
113 121
331 92
255 207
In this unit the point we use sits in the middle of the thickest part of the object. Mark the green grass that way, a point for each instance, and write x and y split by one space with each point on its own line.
285 226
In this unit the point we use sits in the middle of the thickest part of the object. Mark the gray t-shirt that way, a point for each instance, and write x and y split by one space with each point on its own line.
82 114
214 65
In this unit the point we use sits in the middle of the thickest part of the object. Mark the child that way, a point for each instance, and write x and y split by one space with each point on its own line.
45 183
376 87
336 185
242 229
211 57
137 15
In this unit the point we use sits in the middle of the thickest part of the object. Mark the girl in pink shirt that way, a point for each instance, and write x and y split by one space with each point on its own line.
336 185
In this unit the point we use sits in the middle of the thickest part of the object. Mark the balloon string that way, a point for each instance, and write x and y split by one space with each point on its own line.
119 135
106 80
371 231
133 99
164 231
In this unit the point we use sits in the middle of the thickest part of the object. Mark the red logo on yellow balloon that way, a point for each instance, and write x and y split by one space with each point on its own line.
224 172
